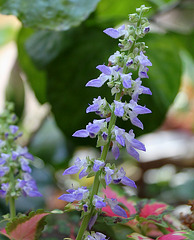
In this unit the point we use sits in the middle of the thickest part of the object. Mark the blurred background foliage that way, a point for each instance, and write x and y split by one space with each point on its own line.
59 44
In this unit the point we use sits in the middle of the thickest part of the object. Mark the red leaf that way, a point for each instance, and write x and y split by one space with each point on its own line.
173 236
3 232
25 228
152 209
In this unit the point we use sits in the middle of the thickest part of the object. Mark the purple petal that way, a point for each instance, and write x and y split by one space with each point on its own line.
71 197
28 156
100 204
104 69
133 152
92 108
71 170
95 83
137 144
127 83
146 90
13 128
97 165
135 121
120 139
81 133
93 128
126 181
141 110
112 32
83 173
119 211
115 151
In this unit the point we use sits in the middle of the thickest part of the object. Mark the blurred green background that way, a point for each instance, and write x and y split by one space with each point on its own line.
51 50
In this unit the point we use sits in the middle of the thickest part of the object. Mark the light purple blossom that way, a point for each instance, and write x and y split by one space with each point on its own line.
132 143
139 89
96 236
113 203
119 177
76 167
13 128
143 60
97 165
3 170
75 195
4 189
99 106
28 186
114 58
109 173
108 73
115 33
3 158
92 221
24 165
126 80
98 202
119 108
91 130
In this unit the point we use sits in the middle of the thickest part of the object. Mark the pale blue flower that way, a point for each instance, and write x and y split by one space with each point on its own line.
115 33
75 195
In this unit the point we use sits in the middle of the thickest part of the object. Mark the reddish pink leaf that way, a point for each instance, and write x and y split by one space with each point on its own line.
173 236
152 209
27 230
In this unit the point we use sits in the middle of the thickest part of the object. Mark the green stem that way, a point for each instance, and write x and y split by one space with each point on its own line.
96 182
12 207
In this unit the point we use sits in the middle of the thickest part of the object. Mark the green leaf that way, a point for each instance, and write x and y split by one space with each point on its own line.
35 77
53 15
27 227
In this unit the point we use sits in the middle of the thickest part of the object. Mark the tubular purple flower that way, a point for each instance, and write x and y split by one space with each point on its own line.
4 189
96 236
126 80
139 89
119 110
76 167
24 165
92 221
98 202
13 128
3 170
109 173
115 33
143 60
113 203
97 165
75 195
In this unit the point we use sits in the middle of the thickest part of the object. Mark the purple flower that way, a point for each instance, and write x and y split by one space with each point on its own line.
99 106
76 167
13 128
107 74
119 177
113 203
92 221
139 89
146 29
115 33
119 108
132 143
75 195
3 158
24 165
109 173
97 165
98 202
96 236
117 135
143 60
28 186
126 80
91 130
3 170
114 58
4 189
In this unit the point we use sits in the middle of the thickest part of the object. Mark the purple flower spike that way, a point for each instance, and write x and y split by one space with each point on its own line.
115 33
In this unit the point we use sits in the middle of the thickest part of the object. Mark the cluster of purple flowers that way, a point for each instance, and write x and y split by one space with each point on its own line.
118 76
15 178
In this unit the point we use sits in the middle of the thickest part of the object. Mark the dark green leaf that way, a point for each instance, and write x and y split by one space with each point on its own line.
36 78
53 14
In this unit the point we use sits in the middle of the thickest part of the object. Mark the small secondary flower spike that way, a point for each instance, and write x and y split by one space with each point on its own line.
119 78
15 178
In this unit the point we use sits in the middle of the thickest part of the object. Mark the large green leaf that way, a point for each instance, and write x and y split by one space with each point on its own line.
35 77
49 14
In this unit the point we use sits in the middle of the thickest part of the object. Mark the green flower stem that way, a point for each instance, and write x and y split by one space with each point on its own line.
12 207
96 182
